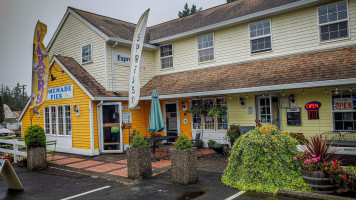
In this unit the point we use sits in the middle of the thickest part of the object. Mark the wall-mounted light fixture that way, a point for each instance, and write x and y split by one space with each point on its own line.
76 109
242 102
184 105
326 90
292 100
38 113
52 77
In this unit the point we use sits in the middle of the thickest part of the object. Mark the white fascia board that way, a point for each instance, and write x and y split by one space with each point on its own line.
260 89
238 20
129 43
111 99
25 108
71 76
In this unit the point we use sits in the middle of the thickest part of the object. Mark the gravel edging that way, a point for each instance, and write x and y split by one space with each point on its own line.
308 195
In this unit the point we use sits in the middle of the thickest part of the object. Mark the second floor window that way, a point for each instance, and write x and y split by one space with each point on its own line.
86 53
333 21
206 47
260 36
166 54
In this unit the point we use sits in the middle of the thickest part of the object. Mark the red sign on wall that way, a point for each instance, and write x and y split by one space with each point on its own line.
313 109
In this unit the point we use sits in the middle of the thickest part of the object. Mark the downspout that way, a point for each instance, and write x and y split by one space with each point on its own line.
112 66
99 124
106 67
91 117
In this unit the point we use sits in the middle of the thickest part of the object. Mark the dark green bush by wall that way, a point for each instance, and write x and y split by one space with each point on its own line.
35 137
263 160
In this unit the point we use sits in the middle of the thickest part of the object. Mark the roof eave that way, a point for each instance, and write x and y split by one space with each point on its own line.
238 20
129 43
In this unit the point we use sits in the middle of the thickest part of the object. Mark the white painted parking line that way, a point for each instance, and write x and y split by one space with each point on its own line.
78 195
235 195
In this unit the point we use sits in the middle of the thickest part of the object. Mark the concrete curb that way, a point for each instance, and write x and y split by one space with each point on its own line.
308 195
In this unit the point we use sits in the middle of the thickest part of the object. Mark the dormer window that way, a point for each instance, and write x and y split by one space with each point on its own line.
260 36
86 53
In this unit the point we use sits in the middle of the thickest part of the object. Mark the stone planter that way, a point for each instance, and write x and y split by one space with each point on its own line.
139 164
184 166
219 150
36 158
319 181
210 145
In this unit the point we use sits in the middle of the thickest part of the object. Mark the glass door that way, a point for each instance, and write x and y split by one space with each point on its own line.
264 112
111 134
171 115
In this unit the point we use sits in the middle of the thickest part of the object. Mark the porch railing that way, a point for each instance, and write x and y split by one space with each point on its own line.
12 146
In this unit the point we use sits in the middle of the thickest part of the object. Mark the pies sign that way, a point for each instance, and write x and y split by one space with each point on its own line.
313 109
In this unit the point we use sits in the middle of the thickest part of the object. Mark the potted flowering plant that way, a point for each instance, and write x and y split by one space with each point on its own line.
22 161
8 156
198 109
233 133
216 110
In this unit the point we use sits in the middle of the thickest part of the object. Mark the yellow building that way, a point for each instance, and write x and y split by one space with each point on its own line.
288 63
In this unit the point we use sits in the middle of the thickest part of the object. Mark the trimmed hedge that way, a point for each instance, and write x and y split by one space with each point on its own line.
263 160
35 137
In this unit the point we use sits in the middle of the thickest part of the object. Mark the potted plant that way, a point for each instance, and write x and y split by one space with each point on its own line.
233 133
139 164
8 156
35 140
317 163
216 110
211 143
219 149
198 109
22 161
184 161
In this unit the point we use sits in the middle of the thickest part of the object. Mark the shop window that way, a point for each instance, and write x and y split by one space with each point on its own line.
86 53
344 110
206 47
57 120
207 122
333 21
260 36
166 54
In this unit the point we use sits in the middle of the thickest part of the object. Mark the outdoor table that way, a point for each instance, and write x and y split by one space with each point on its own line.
155 139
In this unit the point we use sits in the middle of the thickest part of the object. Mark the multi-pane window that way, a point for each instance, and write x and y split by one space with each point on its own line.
206 47
208 120
333 21
46 116
166 54
260 36
196 119
57 120
222 122
344 110
86 53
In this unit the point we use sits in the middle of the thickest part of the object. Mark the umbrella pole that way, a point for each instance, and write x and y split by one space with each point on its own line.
154 149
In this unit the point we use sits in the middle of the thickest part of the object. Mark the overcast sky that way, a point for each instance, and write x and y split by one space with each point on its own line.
18 19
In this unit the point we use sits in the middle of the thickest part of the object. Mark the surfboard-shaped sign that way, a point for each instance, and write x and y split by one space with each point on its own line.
9 175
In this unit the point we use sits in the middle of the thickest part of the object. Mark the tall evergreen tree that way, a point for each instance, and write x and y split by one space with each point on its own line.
189 11
2 111
229 1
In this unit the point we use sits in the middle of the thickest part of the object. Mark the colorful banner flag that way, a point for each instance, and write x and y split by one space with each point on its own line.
40 69
136 50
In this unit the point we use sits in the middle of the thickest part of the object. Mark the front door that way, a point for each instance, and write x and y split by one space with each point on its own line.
171 118
268 110
111 132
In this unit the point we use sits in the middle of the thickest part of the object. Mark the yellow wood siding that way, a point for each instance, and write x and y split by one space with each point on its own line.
73 35
80 124
292 33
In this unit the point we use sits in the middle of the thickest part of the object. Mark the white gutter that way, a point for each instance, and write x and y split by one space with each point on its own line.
238 20
91 118
128 42
111 99
260 89
112 66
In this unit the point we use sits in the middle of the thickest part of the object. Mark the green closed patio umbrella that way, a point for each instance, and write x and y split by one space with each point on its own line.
156 123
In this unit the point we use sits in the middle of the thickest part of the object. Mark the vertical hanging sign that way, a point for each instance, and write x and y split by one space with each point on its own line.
136 50
40 69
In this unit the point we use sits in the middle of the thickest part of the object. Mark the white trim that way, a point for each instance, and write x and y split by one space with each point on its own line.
71 76
91 119
238 20
106 67
86 152
24 110
160 58
112 67
261 36
261 88
110 99
129 43
176 102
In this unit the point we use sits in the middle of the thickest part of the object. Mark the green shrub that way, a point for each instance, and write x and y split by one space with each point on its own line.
234 132
35 137
183 142
211 141
138 140
263 160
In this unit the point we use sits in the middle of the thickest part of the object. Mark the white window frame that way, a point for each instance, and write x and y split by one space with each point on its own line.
160 58
216 124
202 49
261 36
91 53
342 111
215 118
57 125
334 22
